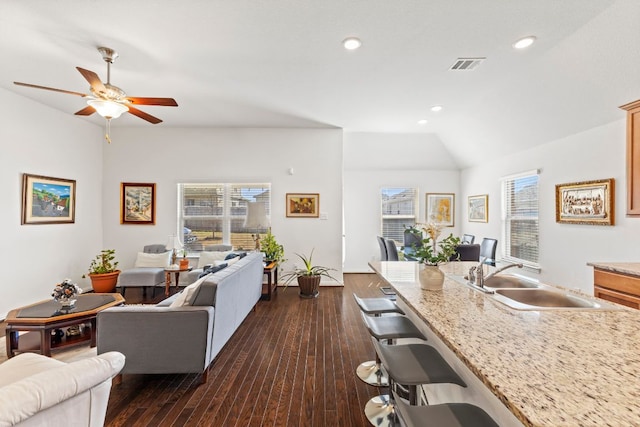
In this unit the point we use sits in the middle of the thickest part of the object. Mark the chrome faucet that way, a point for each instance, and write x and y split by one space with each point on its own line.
476 273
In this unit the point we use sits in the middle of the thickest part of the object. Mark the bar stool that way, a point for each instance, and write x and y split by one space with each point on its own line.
389 328
371 371
445 414
409 365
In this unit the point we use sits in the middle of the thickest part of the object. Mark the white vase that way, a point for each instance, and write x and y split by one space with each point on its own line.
431 277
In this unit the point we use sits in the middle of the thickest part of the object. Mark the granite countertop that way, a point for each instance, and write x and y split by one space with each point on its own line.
550 368
630 268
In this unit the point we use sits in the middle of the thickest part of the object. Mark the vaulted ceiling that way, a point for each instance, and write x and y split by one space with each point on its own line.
280 63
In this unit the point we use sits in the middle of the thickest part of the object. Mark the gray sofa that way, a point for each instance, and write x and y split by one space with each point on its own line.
159 339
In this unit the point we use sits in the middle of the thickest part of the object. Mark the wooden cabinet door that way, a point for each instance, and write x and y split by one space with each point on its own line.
633 157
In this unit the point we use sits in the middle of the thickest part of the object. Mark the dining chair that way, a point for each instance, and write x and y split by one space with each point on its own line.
468 239
392 250
383 248
488 250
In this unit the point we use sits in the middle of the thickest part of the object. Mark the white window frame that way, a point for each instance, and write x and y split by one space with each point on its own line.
227 204
409 218
508 216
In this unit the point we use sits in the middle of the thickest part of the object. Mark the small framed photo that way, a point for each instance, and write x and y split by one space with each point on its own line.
137 203
303 205
478 208
441 208
587 202
47 200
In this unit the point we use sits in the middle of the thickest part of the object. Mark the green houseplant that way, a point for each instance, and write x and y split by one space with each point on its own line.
308 276
103 271
273 251
432 253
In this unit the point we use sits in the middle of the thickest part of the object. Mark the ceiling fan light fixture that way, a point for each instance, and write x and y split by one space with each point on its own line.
108 109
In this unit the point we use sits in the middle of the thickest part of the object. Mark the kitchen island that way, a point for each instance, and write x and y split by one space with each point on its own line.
562 367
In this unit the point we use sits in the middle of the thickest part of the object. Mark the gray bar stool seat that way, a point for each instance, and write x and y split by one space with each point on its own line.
371 371
392 327
409 365
446 414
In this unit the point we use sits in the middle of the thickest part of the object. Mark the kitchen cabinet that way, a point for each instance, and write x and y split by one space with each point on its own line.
616 287
633 157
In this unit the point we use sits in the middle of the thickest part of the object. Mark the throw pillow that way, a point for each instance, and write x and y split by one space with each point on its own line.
212 269
210 257
231 256
188 294
153 260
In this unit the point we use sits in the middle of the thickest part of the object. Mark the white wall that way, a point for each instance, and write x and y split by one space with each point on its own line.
565 248
42 141
374 161
167 156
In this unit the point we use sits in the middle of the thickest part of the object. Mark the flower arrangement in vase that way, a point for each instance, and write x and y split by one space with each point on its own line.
432 253
66 293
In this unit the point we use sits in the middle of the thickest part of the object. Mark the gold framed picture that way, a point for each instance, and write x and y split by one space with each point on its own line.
440 208
137 203
478 208
586 202
303 205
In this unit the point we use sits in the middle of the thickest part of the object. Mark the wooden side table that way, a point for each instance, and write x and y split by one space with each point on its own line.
271 271
176 272
38 320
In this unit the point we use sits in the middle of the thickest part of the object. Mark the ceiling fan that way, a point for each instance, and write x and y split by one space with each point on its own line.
107 100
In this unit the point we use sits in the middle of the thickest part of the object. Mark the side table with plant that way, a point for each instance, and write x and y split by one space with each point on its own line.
104 272
273 251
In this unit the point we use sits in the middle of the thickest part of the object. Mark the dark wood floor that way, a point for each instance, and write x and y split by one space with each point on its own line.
291 363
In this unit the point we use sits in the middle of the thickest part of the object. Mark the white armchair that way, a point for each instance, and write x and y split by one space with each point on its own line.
36 390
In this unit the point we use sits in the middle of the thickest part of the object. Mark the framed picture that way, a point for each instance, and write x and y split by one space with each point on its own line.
303 205
47 200
137 203
440 208
587 202
478 208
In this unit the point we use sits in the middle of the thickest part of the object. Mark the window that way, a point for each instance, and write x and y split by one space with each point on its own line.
212 214
520 218
398 210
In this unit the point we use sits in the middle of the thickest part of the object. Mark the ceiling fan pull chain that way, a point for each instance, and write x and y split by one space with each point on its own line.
108 131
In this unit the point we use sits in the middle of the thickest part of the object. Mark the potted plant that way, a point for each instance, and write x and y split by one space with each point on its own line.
432 253
103 271
273 251
308 276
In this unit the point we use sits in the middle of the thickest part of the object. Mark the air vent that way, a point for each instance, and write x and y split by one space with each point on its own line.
466 64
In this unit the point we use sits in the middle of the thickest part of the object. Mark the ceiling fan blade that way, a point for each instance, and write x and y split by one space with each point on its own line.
94 80
50 88
165 102
86 111
144 116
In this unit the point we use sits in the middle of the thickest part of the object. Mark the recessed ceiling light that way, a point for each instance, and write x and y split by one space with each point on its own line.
524 42
423 122
436 108
351 43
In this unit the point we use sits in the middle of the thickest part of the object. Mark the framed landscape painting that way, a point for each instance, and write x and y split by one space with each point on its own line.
587 202
440 208
303 205
478 209
47 200
137 203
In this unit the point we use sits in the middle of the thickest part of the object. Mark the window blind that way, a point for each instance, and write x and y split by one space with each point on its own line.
520 218
219 213
398 208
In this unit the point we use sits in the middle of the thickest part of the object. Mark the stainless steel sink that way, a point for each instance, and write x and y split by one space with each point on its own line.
546 299
500 281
